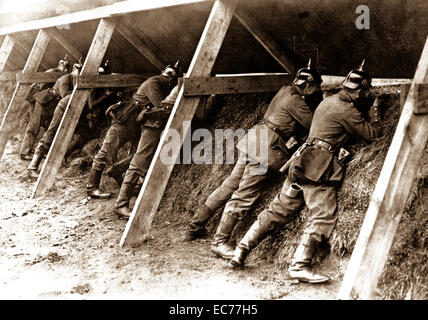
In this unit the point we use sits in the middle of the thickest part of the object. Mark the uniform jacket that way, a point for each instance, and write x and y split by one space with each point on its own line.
335 121
63 87
287 111
149 95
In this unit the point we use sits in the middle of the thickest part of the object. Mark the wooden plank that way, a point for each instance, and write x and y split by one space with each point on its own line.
157 177
113 10
74 109
329 80
111 81
55 34
38 77
8 76
389 197
144 45
22 90
266 40
5 50
237 84
421 98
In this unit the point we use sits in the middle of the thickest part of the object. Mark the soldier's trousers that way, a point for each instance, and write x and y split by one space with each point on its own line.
320 200
40 117
239 190
116 137
140 162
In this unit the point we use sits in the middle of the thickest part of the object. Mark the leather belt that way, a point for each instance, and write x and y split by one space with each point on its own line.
322 144
275 129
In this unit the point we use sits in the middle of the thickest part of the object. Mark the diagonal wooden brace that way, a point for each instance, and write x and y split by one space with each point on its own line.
74 109
22 90
157 177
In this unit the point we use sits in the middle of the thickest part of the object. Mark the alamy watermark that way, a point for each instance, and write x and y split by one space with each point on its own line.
363 20
253 146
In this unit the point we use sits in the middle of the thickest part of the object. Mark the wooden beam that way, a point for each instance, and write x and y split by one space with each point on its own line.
8 76
38 77
5 50
421 98
389 197
404 90
235 84
144 45
113 10
328 80
158 174
22 90
111 81
266 40
55 34
74 109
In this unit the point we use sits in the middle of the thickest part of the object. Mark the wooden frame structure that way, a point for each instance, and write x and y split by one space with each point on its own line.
394 182
391 192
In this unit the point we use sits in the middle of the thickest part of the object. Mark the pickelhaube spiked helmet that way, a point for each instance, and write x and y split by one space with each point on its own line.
358 78
310 73
64 61
172 70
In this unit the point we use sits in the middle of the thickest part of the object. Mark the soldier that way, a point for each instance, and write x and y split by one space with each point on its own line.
316 171
286 121
152 122
42 112
66 88
125 127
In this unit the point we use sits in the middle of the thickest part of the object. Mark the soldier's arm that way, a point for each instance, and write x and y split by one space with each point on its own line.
302 113
356 125
65 86
154 93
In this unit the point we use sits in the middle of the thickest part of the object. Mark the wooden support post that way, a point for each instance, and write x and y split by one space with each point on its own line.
74 109
265 40
144 45
55 34
184 109
389 197
5 50
22 90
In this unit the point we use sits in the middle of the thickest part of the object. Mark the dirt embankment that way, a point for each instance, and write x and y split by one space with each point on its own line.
63 246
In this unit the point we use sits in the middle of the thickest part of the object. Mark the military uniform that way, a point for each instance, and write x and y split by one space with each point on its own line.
287 120
319 172
45 102
61 90
152 119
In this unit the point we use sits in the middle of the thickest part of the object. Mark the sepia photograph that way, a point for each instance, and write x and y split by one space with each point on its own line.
244 151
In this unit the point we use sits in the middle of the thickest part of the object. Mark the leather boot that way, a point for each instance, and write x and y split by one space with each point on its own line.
196 227
300 264
35 162
122 205
92 188
224 230
251 239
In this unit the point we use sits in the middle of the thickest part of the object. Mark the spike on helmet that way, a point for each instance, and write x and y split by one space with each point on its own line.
308 74
358 78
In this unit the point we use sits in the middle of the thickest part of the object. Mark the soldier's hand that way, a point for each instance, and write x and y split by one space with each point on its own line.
374 112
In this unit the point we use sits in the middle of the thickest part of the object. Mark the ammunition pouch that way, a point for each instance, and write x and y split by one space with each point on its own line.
157 115
121 112
35 88
317 163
